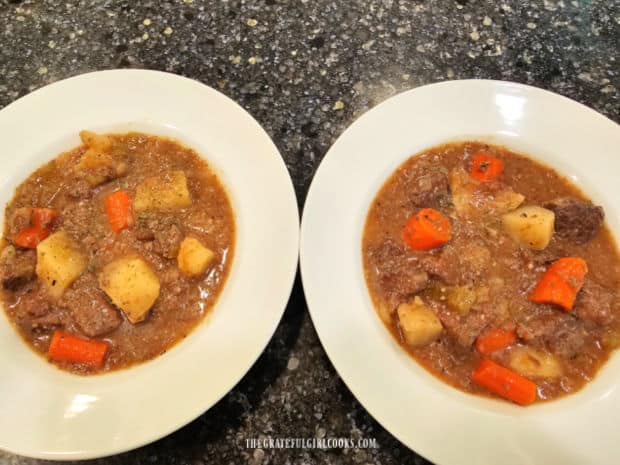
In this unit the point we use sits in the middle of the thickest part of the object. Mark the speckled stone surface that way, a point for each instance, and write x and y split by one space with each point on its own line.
306 69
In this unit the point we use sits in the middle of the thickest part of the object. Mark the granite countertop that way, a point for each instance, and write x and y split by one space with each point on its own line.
305 70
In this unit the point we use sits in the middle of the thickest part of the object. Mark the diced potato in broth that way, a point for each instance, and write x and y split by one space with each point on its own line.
98 165
165 192
531 362
530 226
131 285
59 262
418 324
194 258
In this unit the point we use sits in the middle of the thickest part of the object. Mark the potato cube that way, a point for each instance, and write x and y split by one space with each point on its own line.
535 363
530 226
59 262
470 199
166 192
98 142
461 299
194 258
505 200
97 165
419 325
131 285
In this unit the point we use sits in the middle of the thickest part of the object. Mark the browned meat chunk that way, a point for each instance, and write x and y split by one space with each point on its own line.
17 267
596 303
400 286
144 234
90 308
46 323
397 271
437 266
457 266
427 186
32 305
164 231
463 328
561 333
99 163
474 199
33 312
575 219
80 189
18 220
168 240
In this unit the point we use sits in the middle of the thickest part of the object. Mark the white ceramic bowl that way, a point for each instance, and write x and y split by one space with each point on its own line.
52 414
443 424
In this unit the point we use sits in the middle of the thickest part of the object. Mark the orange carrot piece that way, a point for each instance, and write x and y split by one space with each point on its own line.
485 167
31 236
504 382
573 270
427 230
69 348
495 339
561 283
118 209
41 222
43 217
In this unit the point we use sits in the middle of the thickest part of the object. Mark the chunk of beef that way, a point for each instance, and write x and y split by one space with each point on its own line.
397 271
561 333
575 219
440 267
18 220
494 303
168 241
90 308
80 189
596 303
455 265
17 267
144 234
465 329
427 186
473 199
164 231
99 163
171 278
46 323
32 305
34 312
400 286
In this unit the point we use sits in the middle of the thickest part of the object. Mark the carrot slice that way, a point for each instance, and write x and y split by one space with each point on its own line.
43 217
485 167
41 222
427 229
31 236
118 209
561 283
504 382
495 339
573 270
70 348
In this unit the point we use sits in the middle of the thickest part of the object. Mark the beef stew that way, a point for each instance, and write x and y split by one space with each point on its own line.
114 251
494 272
